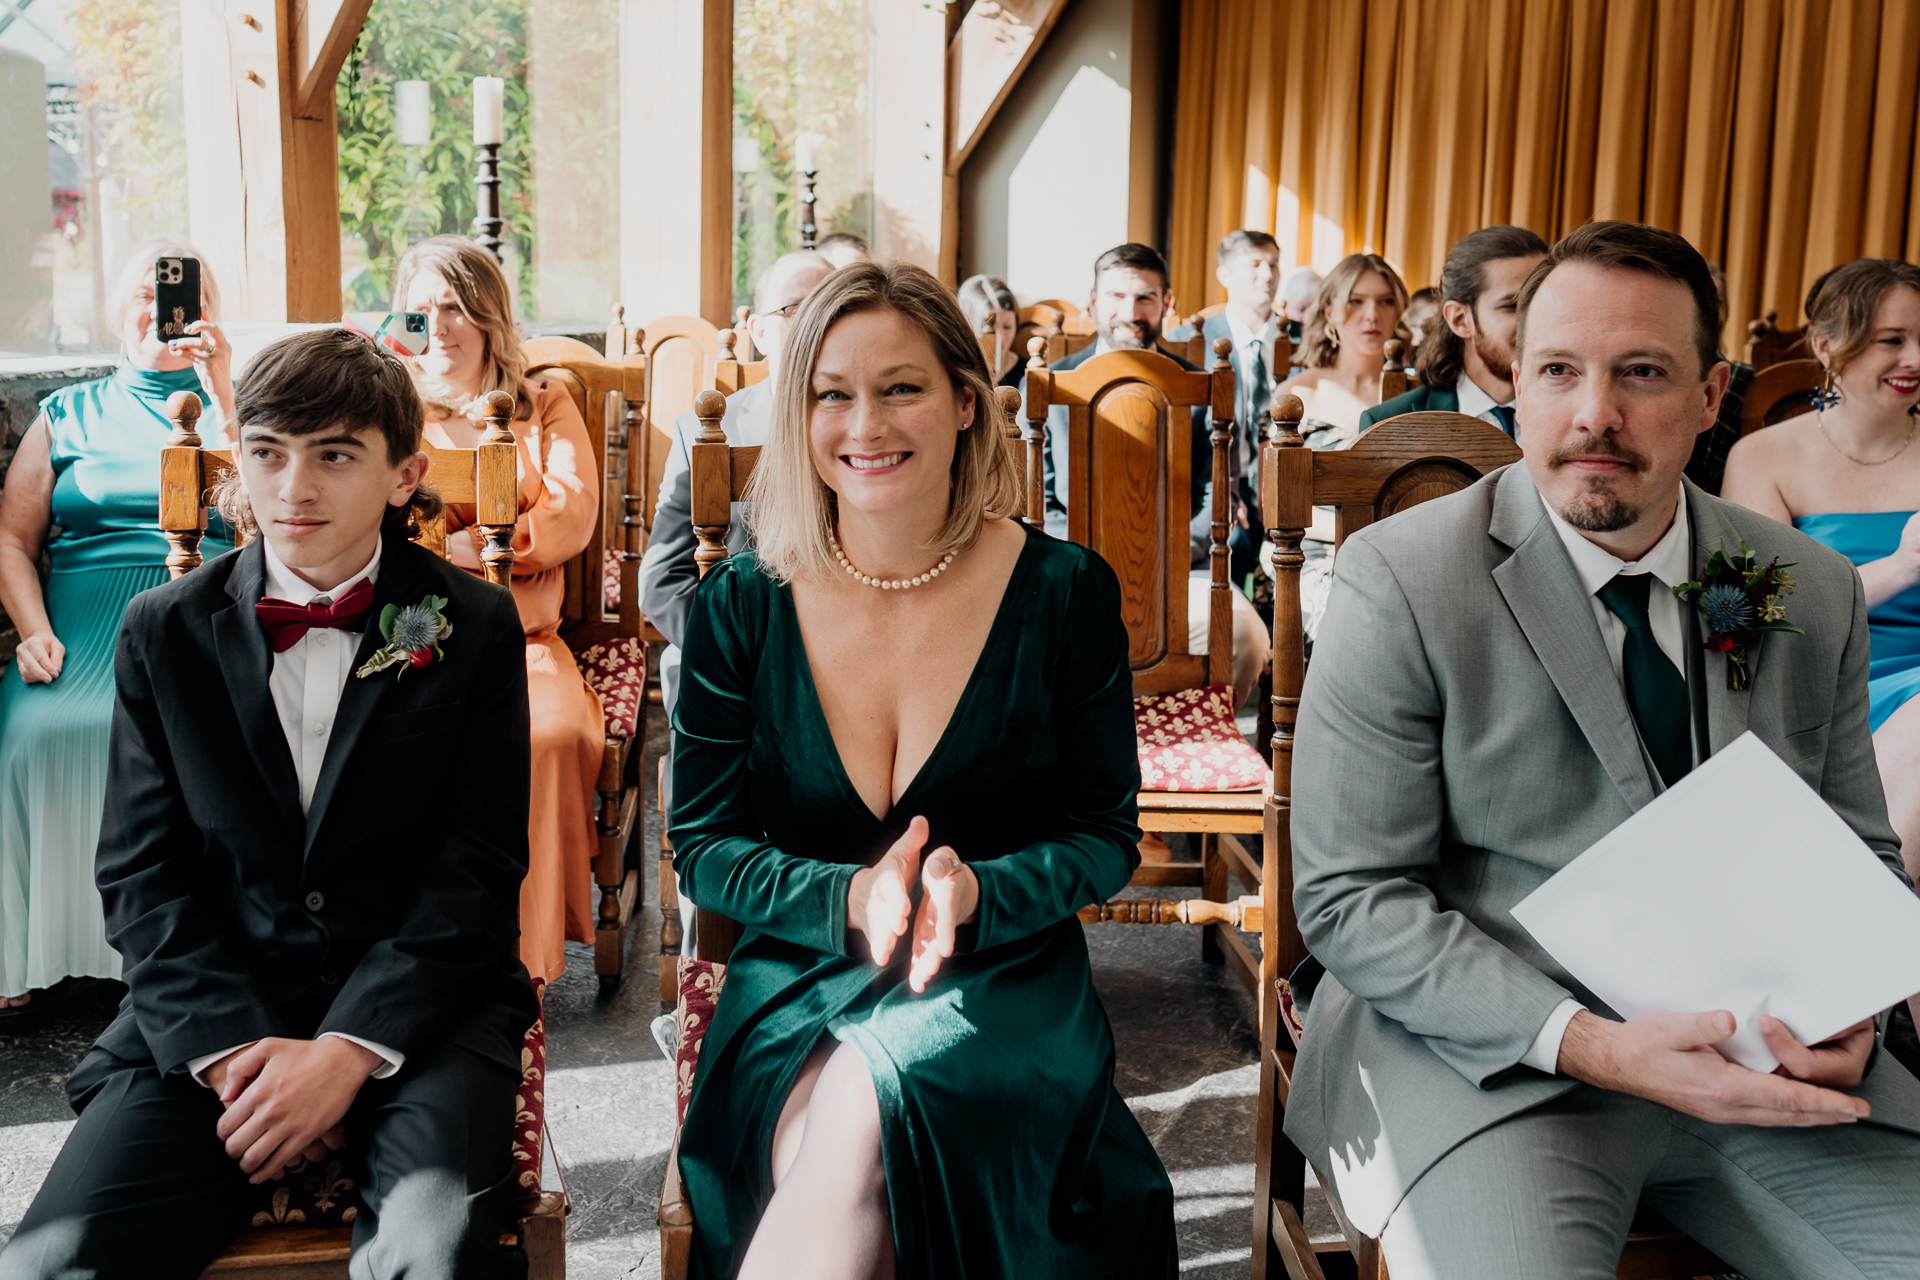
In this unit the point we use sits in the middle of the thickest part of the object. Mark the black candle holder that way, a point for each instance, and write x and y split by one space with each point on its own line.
487 223
809 231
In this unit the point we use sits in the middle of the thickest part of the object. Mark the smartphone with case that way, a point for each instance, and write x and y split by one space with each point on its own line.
176 297
402 332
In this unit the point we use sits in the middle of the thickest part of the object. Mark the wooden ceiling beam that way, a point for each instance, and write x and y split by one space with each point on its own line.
324 32
986 57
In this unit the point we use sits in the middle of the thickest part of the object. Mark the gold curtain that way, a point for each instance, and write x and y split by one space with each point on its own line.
1777 135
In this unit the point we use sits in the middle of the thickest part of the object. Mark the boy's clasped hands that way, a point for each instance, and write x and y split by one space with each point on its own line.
286 1100
880 902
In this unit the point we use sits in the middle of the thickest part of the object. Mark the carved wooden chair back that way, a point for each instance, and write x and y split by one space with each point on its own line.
1778 392
1768 344
485 476
732 372
1399 463
605 631
681 352
1394 380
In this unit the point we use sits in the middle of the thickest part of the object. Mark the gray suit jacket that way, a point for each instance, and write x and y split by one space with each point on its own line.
1461 738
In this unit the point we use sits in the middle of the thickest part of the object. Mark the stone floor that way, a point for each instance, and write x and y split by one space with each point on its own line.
1186 1053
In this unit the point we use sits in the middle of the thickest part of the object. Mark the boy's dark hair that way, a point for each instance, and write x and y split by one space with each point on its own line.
321 379
1634 246
1235 243
1138 257
1442 352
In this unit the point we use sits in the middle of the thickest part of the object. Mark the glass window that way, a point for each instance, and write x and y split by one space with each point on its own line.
801 79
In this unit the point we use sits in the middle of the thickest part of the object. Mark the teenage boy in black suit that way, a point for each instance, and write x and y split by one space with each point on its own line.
315 833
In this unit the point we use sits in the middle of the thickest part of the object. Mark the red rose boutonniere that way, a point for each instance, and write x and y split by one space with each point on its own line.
1737 600
412 635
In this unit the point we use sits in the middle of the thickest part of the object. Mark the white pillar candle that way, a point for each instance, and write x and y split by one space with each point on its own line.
412 113
489 110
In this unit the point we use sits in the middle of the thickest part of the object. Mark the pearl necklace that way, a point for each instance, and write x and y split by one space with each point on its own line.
881 584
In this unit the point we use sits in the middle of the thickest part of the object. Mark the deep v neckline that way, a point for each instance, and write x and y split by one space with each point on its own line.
844 781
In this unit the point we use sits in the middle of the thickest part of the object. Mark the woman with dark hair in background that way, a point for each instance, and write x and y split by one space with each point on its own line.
89 465
474 348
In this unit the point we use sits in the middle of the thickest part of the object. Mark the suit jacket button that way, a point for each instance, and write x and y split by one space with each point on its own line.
316 900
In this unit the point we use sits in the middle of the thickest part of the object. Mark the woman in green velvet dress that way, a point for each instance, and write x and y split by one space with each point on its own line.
88 472
909 1071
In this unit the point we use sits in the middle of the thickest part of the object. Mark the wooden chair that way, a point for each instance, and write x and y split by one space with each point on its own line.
720 472
680 353
732 372
1779 391
743 332
608 643
1400 463
484 476
1128 459
1393 374
1768 344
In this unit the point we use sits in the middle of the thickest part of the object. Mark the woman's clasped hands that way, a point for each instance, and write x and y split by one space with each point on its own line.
880 902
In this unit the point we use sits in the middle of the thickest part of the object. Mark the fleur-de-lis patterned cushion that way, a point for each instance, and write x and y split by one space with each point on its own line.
1189 742
700 984
610 580
618 673
326 1194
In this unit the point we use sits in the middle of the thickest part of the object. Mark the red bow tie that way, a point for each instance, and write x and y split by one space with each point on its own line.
286 622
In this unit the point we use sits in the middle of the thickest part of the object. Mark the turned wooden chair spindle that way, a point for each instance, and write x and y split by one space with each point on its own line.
1768 344
1393 374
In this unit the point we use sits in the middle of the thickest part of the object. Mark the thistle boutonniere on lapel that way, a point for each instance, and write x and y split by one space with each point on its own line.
412 634
1737 600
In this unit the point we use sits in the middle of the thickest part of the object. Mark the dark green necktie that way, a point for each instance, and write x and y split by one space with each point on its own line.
1504 412
1656 691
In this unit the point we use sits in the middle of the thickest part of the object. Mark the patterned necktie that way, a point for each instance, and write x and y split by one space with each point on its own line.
1508 423
287 623
1259 396
1656 691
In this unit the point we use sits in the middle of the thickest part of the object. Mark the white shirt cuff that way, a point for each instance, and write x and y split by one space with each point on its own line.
197 1067
391 1060
1545 1053
394 1060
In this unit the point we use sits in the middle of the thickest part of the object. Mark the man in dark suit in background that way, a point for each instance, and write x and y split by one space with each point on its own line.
1247 264
311 856
1466 361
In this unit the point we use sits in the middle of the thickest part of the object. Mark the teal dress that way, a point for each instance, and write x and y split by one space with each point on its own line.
1893 674
104 438
1008 1151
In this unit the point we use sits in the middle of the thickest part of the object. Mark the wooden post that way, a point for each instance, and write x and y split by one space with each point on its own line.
1039 391
183 512
497 489
263 171
712 496
1223 396
1393 374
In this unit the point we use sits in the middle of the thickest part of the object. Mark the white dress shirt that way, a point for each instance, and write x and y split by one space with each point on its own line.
306 683
1670 562
1476 403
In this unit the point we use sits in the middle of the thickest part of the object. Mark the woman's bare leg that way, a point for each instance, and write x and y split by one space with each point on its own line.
828 1216
1896 745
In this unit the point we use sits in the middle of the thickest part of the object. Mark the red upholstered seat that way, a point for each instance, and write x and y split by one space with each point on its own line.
618 673
1189 742
700 984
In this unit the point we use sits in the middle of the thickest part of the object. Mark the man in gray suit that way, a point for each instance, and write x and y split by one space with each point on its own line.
1504 676
668 573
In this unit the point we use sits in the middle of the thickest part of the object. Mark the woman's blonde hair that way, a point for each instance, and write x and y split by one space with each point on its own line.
1318 349
1848 304
792 509
138 270
481 286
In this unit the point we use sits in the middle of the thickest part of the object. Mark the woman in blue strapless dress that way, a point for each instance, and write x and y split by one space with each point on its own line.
88 473
1848 474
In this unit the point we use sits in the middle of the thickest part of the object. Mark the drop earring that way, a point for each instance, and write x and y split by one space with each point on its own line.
1828 396
1333 339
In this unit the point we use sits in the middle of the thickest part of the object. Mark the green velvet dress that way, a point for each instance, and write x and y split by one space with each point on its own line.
1008 1151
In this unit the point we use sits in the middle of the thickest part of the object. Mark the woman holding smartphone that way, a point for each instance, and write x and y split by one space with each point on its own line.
473 347
88 466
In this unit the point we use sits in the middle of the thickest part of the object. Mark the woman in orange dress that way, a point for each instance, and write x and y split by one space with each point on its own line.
474 348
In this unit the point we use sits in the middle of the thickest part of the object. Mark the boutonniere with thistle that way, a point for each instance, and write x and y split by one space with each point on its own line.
1737 600
412 634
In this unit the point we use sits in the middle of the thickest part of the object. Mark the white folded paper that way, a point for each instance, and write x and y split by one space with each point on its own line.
1738 889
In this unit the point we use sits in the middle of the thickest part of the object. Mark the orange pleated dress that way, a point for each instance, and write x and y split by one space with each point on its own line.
559 502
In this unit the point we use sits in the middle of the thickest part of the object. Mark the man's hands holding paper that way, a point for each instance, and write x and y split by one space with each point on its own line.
286 1100
1669 1058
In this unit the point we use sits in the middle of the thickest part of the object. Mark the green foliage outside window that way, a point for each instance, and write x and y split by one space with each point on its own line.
393 195
126 58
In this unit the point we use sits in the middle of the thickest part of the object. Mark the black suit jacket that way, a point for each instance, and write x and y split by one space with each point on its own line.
388 911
